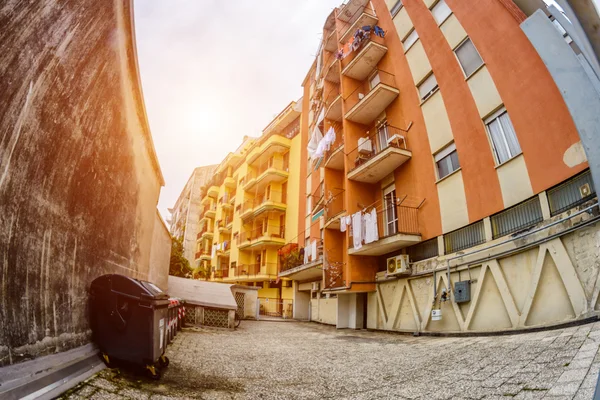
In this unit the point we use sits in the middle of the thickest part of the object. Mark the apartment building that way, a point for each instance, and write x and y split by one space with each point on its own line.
184 214
250 211
444 185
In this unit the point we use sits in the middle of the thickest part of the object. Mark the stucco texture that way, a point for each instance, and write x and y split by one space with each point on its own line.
79 180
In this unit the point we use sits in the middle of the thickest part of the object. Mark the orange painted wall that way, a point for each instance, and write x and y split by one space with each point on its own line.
482 186
415 178
541 119
303 155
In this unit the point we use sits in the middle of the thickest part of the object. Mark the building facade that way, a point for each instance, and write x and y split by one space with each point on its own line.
185 212
445 187
250 211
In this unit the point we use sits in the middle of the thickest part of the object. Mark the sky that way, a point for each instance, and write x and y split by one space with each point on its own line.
214 71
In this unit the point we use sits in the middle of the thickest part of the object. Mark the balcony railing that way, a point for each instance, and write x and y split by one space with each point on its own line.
247 270
369 146
361 62
394 220
222 273
334 206
318 194
272 231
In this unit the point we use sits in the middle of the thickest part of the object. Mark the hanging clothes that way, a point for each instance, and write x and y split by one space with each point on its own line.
342 224
306 254
357 230
378 31
374 225
313 144
313 250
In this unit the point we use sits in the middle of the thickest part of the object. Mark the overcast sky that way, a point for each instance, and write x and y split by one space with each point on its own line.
213 71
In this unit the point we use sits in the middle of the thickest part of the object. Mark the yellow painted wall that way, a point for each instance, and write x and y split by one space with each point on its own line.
514 181
418 62
287 293
268 293
403 23
484 92
453 202
453 31
437 122
324 310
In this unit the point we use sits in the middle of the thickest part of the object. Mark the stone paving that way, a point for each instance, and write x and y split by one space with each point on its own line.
270 360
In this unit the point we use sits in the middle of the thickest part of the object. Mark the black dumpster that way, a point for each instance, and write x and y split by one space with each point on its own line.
129 321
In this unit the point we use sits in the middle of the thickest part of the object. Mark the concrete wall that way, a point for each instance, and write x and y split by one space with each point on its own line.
554 282
79 179
324 310
250 300
160 254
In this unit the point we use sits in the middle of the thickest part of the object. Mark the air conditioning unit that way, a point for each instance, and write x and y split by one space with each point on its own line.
364 145
315 286
398 265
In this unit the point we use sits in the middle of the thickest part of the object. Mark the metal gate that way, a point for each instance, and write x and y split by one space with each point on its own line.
240 299
275 307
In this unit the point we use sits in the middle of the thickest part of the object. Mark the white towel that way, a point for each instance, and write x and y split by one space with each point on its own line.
357 230
374 225
313 250
342 224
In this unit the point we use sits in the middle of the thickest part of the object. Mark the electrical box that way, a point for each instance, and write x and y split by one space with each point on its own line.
462 291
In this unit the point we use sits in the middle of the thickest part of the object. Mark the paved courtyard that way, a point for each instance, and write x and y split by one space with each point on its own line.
293 360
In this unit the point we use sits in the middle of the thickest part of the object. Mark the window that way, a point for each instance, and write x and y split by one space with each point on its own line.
463 238
468 57
503 136
410 40
519 217
441 11
382 136
374 80
428 87
571 193
308 205
390 213
446 161
396 8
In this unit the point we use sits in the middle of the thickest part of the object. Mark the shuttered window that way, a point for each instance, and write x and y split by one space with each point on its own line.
447 161
468 57
441 11
396 8
428 87
410 40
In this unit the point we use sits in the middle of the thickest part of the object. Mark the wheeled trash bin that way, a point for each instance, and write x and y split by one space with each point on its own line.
129 320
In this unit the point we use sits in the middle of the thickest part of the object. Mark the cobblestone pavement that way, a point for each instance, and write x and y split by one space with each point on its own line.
273 360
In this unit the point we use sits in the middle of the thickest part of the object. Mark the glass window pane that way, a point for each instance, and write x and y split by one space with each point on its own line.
427 86
498 141
441 11
396 8
509 134
454 160
468 57
410 39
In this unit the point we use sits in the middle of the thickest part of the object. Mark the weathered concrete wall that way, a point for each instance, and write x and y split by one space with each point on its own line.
554 279
79 180
160 254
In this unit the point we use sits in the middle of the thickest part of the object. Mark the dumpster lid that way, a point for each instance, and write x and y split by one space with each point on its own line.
130 286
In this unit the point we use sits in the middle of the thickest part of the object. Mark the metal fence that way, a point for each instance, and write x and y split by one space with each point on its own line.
571 193
516 218
463 238
276 307
423 250
375 142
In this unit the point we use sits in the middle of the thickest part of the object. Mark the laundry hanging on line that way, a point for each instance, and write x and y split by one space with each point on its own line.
360 36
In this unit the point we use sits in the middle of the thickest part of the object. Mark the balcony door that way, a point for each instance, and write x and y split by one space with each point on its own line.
390 213
382 136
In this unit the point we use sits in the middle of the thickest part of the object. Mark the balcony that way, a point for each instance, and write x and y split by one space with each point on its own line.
318 195
293 265
366 18
333 72
360 63
206 233
334 209
204 255
229 182
211 211
398 227
370 99
213 191
329 42
334 157
349 10
333 102
222 273
249 180
246 209
275 201
271 171
259 239
253 271
274 144
378 155
205 200
224 201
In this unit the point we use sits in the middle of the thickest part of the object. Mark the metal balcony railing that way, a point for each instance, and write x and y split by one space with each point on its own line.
373 143
222 273
395 220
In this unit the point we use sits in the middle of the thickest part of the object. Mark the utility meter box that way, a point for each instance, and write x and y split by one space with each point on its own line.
462 291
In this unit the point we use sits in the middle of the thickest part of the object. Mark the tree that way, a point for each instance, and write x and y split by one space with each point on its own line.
179 265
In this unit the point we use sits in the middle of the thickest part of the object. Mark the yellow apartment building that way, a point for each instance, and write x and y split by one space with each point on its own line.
250 211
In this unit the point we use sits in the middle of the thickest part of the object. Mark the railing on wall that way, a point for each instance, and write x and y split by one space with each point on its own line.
463 238
373 143
404 221
364 88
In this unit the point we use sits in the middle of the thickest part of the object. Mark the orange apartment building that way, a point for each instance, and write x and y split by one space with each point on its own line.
445 187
